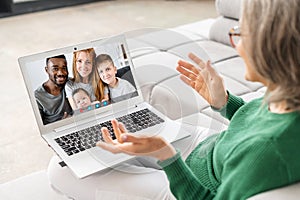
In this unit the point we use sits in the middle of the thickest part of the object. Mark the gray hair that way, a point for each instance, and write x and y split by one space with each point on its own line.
273 46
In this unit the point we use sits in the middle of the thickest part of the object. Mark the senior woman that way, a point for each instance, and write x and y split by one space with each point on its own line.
258 151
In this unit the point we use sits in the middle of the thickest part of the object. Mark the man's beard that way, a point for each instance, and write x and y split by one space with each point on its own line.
61 85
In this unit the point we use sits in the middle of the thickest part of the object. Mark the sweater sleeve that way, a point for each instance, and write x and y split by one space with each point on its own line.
183 183
253 167
233 104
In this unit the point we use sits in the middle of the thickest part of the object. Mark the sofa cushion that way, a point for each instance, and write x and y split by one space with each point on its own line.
203 120
207 118
234 86
229 16
234 68
138 48
229 9
188 34
33 186
164 39
219 30
206 49
176 99
199 28
151 69
159 65
291 192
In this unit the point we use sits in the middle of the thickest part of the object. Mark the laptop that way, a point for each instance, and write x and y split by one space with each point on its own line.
73 138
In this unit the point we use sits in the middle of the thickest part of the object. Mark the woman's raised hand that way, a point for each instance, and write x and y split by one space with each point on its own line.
204 79
131 144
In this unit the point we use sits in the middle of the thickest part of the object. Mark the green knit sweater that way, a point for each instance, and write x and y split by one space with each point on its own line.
259 151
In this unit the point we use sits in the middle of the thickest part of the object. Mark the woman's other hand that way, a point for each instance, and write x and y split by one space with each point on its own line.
131 144
204 79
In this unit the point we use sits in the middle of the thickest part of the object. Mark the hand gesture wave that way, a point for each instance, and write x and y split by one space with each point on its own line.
204 79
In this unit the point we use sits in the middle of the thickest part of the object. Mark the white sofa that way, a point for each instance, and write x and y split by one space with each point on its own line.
155 53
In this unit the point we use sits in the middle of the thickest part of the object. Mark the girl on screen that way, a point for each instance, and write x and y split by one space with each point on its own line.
85 77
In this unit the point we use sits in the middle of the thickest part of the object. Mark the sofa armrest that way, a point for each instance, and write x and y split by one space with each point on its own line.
229 8
229 11
220 28
291 192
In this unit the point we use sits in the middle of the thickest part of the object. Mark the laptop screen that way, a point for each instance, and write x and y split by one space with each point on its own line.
88 77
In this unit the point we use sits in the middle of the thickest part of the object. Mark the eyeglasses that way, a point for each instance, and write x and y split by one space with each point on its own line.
234 36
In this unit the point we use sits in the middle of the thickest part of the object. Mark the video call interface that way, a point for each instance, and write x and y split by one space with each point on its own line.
87 79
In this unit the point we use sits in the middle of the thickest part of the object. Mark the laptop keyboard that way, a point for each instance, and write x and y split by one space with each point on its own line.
87 138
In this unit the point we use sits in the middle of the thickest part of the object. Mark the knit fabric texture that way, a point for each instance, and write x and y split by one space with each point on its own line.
258 152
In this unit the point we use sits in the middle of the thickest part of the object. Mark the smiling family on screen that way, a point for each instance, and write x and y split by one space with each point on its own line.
94 84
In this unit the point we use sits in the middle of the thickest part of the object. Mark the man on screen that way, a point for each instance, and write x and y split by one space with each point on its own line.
51 96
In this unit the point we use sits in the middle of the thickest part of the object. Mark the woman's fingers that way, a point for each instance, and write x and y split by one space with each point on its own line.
117 131
204 66
206 71
197 60
210 69
132 138
191 72
122 128
106 135
108 147
185 80
118 128
185 67
188 66
188 74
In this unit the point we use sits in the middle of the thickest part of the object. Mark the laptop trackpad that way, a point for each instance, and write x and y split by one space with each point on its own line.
107 158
